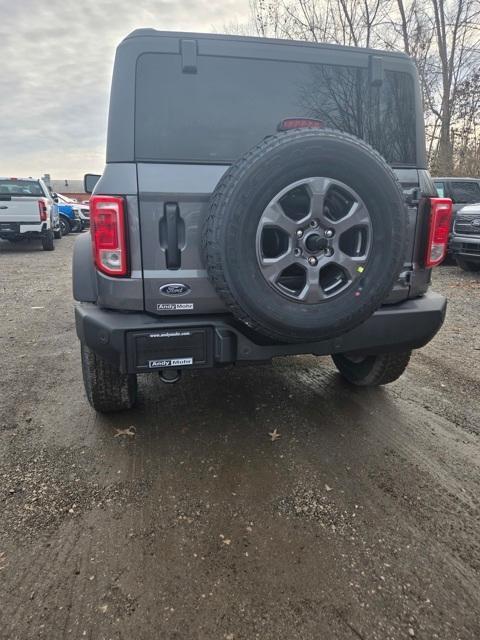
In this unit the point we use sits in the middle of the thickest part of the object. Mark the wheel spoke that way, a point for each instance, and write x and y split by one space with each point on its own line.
273 267
349 264
357 216
318 188
312 292
274 216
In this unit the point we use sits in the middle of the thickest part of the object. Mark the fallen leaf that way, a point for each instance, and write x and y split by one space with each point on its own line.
327 488
274 435
129 431
226 541
3 561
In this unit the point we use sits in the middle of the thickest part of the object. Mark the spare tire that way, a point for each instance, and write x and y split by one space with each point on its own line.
305 235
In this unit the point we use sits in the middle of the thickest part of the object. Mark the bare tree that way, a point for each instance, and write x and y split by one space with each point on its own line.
443 36
465 130
412 31
350 22
457 46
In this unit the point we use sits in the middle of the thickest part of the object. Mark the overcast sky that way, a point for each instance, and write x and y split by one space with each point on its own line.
56 64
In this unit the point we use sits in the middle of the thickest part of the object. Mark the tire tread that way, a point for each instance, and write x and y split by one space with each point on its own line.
48 241
377 370
106 387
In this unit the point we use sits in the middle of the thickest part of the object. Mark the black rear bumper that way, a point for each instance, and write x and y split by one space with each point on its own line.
13 229
132 340
465 246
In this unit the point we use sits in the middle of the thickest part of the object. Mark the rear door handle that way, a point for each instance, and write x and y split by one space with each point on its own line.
173 255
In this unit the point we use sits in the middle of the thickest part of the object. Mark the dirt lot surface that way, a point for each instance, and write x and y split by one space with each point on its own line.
360 521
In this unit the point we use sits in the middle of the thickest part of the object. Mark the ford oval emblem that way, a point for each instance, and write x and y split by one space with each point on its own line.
175 289
476 222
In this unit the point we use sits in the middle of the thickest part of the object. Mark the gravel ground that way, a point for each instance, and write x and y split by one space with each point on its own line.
360 521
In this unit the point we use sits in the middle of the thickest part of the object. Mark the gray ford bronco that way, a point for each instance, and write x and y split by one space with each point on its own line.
260 198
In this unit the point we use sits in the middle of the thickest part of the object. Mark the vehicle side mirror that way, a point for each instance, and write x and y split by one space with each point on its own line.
89 181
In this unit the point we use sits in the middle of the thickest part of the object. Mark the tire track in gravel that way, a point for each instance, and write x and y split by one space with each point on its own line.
427 471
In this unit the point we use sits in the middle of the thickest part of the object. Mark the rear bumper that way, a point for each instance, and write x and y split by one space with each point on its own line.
113 335
14 229
468 246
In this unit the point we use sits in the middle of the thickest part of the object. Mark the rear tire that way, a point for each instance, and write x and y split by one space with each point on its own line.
372 371
467 265
47 241
58 233
106 387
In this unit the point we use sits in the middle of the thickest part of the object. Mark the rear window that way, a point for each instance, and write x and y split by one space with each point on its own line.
230 104
20 188
465 192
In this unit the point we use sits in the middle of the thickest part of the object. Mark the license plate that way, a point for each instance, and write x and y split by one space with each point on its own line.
164 348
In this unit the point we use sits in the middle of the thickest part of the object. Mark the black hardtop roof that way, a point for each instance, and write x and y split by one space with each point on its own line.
154 33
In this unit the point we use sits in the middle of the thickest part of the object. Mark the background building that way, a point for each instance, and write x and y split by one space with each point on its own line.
71 188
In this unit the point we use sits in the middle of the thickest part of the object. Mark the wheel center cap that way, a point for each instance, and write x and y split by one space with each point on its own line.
315 243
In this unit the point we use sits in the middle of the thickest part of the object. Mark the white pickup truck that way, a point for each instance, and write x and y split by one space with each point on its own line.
27 210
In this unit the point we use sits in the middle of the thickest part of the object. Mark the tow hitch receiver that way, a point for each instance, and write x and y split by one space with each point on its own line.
170 376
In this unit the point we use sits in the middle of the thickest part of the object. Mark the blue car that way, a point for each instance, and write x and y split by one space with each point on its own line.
69 220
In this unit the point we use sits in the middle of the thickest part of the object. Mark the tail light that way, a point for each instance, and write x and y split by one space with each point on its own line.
300 123
108 231
42 210
438 230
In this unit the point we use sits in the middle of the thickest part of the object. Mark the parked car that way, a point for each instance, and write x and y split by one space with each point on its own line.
74 216
27 211
465 238
240 217
69 222
461 191
83 212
